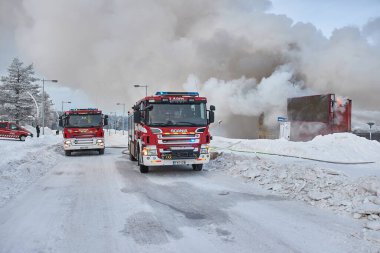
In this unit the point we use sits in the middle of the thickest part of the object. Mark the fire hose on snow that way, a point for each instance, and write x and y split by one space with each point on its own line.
284 155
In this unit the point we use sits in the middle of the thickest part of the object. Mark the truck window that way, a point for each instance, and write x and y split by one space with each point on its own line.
13 127
3 125
178 115
84 120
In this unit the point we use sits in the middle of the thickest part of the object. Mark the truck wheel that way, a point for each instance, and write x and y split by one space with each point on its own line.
101 151
22 138
131 157
68 152
144 169
197 167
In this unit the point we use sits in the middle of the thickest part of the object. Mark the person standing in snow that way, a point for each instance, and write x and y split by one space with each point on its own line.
38 130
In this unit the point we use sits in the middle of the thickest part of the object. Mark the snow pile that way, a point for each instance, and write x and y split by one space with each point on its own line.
314 183
340 147
115 139
22 163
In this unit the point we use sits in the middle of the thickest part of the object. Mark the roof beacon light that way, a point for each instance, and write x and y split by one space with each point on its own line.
166 93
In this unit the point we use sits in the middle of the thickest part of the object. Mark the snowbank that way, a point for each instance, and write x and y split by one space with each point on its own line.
315 183
115 139
22 163
340 147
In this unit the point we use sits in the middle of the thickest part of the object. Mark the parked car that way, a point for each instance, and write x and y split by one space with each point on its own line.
13 131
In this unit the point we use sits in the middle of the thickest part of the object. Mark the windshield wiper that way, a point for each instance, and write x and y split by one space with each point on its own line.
158 124
186 123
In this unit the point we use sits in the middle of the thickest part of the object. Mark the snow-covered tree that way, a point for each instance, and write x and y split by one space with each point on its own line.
17 90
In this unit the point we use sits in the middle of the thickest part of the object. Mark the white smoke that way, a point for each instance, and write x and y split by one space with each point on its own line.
245 60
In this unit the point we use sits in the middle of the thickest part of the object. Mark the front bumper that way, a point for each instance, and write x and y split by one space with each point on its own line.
83 144
155 161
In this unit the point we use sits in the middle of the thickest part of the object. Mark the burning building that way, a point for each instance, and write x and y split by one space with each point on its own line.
318 115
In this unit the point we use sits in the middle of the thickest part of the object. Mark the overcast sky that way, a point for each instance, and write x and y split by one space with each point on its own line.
325 15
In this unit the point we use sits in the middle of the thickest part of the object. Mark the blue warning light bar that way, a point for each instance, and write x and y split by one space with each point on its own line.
167 93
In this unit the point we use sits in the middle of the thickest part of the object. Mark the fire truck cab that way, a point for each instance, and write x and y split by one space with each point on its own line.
170 128
83 130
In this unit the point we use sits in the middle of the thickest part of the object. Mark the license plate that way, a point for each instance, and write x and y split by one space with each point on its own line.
83 148
178 162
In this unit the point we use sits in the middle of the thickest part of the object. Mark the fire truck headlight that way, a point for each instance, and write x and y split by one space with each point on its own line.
149 152
204 150
99 141
68 142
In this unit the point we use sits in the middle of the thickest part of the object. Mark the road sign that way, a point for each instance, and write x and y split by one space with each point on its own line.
282 119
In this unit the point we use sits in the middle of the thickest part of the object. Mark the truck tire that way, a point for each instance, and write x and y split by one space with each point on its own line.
67 152
22 137
131 157
197 167
101 151
143 169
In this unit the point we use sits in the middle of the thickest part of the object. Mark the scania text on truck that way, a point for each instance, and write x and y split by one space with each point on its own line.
170 128
83 130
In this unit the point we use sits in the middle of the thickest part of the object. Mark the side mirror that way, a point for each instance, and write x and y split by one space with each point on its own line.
106 120
211 117
60 123
212 107
137 117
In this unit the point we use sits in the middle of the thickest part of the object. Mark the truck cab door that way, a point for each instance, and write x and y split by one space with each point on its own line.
13 130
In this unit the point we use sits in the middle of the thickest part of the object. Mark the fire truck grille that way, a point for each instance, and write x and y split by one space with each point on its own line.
83 141
168 136
180 154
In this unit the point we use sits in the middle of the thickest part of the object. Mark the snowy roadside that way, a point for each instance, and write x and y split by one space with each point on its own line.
22 163
316 183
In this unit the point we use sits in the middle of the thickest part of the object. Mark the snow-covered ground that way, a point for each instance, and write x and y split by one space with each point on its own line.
339 172
22 163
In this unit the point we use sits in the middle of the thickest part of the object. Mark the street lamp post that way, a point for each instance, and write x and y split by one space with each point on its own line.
65 102
370 124
43 102
123 104
141 86
37 112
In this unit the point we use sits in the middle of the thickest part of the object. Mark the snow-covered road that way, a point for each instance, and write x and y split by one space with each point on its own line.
92 203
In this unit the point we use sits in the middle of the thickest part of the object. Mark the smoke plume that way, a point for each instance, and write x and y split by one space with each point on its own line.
244 59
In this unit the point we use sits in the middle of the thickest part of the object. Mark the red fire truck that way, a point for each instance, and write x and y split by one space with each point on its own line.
318 115
83 130
170 128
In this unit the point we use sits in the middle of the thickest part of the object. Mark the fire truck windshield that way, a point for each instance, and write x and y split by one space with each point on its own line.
177 115
84 120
